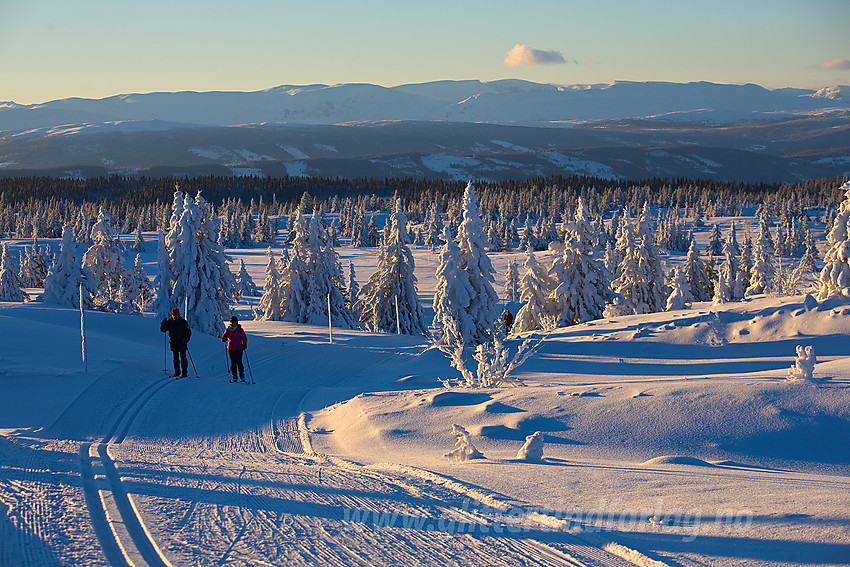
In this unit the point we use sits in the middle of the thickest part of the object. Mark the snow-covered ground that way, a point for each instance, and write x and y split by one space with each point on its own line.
670 439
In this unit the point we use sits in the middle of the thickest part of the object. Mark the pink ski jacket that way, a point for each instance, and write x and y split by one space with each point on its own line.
236 338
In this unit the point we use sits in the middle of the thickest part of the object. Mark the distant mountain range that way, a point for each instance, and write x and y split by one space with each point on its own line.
446 129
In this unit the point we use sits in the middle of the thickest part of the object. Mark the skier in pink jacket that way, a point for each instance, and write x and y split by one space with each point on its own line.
237 342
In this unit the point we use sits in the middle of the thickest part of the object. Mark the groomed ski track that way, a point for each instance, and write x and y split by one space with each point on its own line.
164 486
142 469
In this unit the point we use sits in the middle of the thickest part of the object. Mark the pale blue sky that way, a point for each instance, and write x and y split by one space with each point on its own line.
52 49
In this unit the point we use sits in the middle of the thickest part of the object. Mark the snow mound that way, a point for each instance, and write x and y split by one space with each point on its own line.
677 460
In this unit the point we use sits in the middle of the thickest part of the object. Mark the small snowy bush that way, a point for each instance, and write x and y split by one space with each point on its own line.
494 365
532 449
464 449
804 366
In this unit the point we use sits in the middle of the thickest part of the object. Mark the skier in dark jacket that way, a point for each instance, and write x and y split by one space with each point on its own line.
237 342
178 340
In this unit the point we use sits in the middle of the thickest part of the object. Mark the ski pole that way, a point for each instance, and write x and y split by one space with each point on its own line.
165 352
251 374
193 362
226 359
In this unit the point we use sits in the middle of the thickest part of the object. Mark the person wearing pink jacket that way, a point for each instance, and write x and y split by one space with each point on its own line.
237 342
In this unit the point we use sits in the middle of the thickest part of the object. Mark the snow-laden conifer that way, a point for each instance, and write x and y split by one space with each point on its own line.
453 295
138 239
61 286
726 279
464 449
484 307
104 262
352 291
511 287
680 290
700 284
579 282
326 282
393 281
164 279
245 286
715 241
730 270
203 282
10 285
835 275
35 263
763 270
135 293
270 306
638 284
533 286
808 262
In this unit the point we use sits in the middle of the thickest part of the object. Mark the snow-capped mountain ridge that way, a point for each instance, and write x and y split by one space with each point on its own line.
442 129
508 101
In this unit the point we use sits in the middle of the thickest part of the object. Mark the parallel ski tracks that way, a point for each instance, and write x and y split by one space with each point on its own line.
120 529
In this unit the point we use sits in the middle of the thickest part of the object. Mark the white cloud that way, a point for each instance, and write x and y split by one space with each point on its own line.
522 55
840 64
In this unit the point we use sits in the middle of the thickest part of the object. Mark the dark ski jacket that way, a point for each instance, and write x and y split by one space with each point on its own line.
178 332
235 337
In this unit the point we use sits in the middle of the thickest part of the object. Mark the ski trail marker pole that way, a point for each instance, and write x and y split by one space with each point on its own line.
330 327
397 321
83 332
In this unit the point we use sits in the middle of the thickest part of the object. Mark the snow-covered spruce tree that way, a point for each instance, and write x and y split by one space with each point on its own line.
726 279
638 285
104 261
270 305
763 270
10 285
745 266
452 297
245 286
680 295
484 307
511 282
578 279
731 268
62 284
532 293
808 262
464 449
715 241
33 268
352 291
835 275
135 293
326 281
700 284
394 279
138 239
295 281
203 282
166 260
164 279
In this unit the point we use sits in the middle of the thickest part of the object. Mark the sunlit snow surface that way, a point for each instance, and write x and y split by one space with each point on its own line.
673 438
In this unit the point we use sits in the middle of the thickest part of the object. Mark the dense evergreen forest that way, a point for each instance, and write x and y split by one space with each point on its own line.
40 206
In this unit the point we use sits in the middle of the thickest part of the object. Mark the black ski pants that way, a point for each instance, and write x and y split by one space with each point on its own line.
236 363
